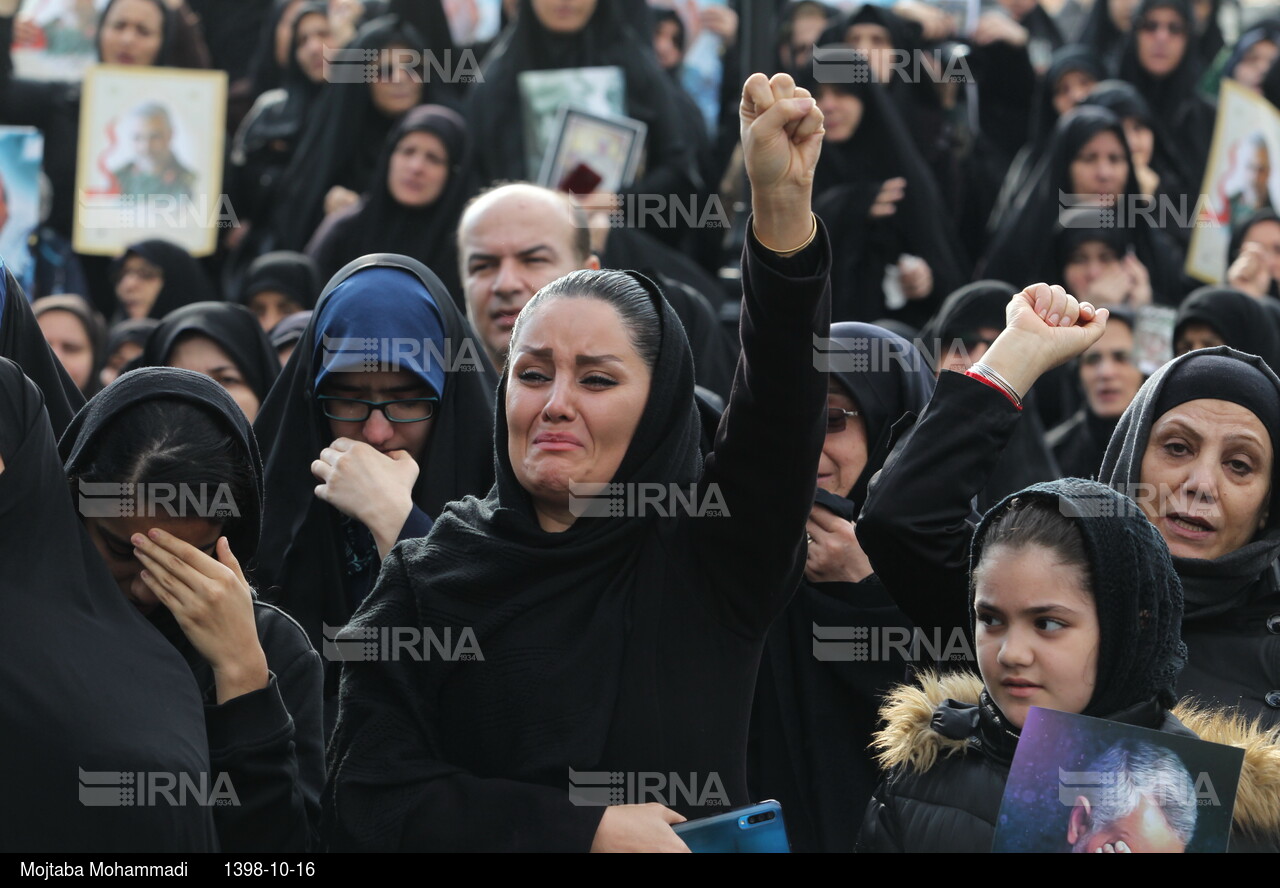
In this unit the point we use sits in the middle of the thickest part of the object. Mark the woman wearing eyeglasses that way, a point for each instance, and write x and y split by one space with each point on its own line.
383 414
1160 60
816 699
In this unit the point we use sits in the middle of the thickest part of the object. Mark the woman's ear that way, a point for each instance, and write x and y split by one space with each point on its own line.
1080 820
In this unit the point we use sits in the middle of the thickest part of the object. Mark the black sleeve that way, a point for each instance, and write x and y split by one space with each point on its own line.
765 457
879 833
915 525
270 744
24 102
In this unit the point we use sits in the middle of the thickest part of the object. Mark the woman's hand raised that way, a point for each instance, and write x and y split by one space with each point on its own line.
1044 326
781 139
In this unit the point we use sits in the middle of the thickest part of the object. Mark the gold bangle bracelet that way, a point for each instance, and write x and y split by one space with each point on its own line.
813 234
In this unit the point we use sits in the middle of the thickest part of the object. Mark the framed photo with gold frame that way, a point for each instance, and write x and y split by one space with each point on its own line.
150 159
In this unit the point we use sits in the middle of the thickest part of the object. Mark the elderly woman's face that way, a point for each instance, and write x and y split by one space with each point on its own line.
1206 477
575 392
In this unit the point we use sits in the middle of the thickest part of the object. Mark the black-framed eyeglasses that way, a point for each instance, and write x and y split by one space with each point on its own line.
358 410
837 419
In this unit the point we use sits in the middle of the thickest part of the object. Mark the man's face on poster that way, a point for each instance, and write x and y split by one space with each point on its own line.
151 138
1260 169
1144 830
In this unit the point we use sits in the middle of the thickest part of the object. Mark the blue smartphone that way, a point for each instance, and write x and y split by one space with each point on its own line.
754 829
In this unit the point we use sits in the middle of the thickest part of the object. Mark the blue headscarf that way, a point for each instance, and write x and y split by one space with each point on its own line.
378 318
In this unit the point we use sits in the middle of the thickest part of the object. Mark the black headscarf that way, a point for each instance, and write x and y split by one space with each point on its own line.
263 70
22 342
1103 37
1072 57
813 719
1124 101
964 312
1242 321
899 382
550 612
232 327
288 118
847 179
379 223
606 40
168 32
1174 98
293 274
78 445
91 690
1267 29
1135 590
302 542
135 331
1022 253
184 280
94 328
1211 587
341 143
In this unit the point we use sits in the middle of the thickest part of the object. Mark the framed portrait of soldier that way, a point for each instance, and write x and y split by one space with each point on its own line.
21 150
55 39
150 159
1242 177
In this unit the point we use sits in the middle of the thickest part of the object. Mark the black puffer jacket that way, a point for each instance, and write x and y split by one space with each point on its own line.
946 772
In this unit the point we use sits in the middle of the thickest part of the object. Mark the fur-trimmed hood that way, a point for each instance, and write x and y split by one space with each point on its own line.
907 740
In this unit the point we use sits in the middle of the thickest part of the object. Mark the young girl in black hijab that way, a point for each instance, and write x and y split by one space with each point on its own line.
1087 157
1195 450
414 200
222 341
1105 31
182 561
84 675
1095 632
813 716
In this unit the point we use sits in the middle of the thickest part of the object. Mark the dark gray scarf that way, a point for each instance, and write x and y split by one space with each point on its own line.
1209 587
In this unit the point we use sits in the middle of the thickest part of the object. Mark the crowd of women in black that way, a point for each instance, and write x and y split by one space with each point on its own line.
902 478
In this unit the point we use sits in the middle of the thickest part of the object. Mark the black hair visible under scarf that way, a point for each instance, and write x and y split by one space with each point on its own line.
1243 322
1135 590
78 445
1211 587
302 542
21 341
184 280
233 328
89 686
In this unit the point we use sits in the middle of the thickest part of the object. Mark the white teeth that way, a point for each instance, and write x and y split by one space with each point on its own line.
1187 524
